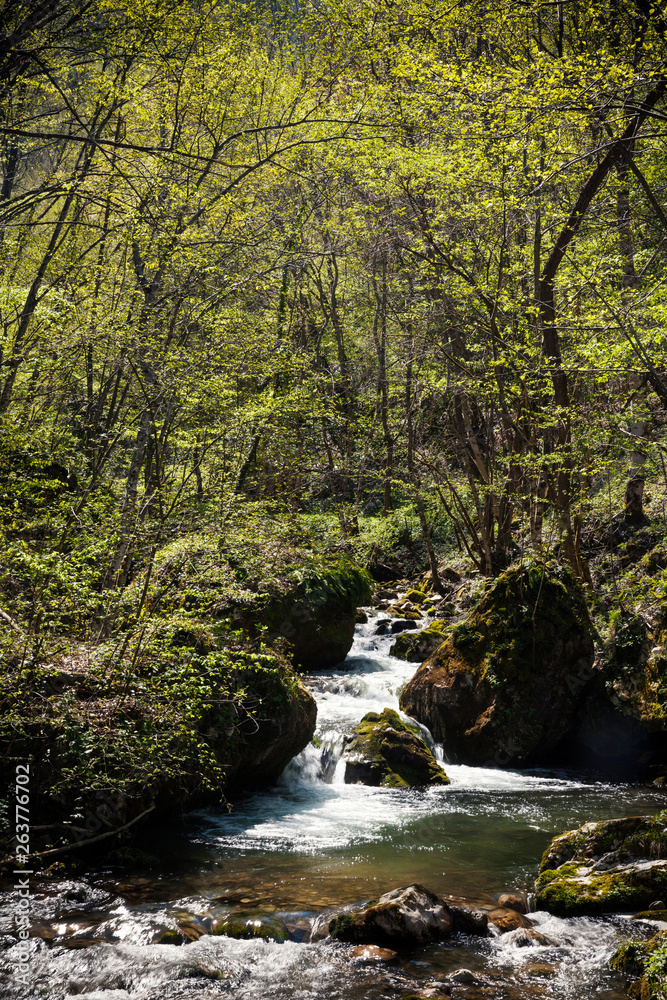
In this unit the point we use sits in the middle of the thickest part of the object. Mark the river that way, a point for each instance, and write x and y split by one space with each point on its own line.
312 843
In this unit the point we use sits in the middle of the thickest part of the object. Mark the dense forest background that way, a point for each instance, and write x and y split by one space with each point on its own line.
363 277
344 258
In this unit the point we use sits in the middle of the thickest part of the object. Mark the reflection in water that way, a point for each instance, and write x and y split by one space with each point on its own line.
314 843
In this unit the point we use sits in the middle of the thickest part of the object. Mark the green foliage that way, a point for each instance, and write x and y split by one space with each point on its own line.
646 961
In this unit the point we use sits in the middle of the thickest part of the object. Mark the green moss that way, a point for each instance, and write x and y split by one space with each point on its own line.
634 874
250 926
563 893
170 937
130 734
280 590
517 623
342 927
415 596
387 751
416 646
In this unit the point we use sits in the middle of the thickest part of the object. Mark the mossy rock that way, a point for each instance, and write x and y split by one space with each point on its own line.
609 867
635 670
504 685
415 647
401 918
386 751
407 610
253 925
185 737
646 963
283 591
415 596
651 915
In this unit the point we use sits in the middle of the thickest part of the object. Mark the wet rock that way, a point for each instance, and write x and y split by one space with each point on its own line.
512 901
622 721
502 686
386 751
401 918
527 937
469 921
463 976
605 737
369 954
385 594
361 617
417 646
401 624
614 866
508 920
299 926
256 925
430 993
657 904
540 969
201 971
43 930
383 627
404 611
170 936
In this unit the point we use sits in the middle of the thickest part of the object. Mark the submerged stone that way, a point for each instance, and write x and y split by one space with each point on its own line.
614 866
386 751
370 954
254 925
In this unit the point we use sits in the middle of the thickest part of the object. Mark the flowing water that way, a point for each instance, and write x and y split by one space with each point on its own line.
313 843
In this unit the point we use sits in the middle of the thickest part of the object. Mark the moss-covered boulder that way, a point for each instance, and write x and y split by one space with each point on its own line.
400 918
618 865
276 588
415 647
645 962
504 685
386 751
116 742
635 670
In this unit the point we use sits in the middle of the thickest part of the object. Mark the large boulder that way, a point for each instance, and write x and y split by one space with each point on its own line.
386 751
284 593
196 730
504 685
403 917
273 734
614 866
